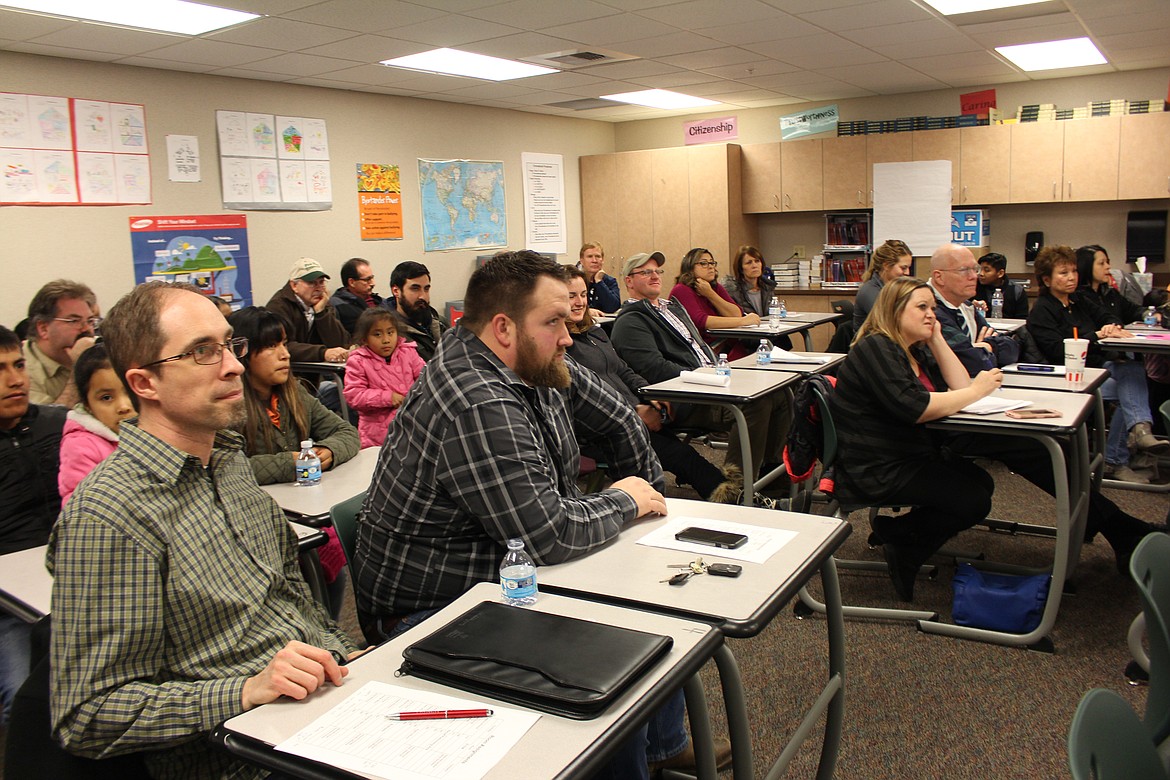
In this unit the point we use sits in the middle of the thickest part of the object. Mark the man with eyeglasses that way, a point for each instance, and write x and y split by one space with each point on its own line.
314 332
62 324
953 276
356 293
177 597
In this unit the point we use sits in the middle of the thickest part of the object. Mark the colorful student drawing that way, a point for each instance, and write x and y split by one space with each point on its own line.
320 182
233 133
262 135
265 181
291 137
236 176
95 174
129 125
50 122
91 123
293 188
14 127
316 143
56 179
133 178
18 182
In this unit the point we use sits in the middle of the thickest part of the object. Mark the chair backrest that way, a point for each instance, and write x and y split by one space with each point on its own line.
344 517
842 337
1164 410
1107 741
1150 567
828 430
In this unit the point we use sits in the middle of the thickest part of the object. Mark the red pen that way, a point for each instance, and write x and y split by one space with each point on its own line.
439 715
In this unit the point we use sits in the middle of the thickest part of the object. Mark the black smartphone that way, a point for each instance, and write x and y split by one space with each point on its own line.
1036 368
724 539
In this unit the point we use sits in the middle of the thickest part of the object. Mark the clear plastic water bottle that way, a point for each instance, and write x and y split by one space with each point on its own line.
308 465
774 314
1151 316
723 368
518 575
997 304
764 353
783 310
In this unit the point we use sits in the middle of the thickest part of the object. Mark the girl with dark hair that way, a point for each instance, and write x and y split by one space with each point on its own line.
91 428
709 304
379 373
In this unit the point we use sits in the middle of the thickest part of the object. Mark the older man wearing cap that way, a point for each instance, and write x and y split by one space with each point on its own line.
311 325
657 339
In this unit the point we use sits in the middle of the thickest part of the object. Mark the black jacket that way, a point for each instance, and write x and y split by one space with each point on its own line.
1050 323
29 458
651 346
349 307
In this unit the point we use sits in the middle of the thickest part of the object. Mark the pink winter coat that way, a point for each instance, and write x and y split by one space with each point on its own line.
85 442
370 384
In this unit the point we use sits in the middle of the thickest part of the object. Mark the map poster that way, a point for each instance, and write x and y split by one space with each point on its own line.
210 252
463 205
379 201
544 202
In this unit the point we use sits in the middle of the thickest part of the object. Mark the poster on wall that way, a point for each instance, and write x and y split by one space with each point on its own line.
463 205
544 202
67 152
379 201
208 251
272 162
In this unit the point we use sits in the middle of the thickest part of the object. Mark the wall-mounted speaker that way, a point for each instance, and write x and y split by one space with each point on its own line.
1032 243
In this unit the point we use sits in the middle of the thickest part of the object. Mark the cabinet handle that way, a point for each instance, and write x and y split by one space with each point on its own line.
861 195
1070 190
964 193
776 200
871 197
787 201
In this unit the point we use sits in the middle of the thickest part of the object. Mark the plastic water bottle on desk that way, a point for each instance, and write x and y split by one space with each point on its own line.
774 314
764 353
518 575
723 368
308 465
783 310
997 304
1151 319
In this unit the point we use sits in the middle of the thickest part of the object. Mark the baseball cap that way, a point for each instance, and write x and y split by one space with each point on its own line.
307 270
634 262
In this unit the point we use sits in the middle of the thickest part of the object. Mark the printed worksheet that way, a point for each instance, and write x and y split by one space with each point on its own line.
762 543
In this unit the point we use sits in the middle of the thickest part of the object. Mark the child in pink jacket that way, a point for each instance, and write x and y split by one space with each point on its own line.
91 429
379 373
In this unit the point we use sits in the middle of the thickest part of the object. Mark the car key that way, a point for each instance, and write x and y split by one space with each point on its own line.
724 569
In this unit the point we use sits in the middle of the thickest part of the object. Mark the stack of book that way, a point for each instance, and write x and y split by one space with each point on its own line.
786 274
1145 106
1036 112
1114 107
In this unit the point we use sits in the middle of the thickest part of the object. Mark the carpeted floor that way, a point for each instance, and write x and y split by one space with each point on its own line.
920 706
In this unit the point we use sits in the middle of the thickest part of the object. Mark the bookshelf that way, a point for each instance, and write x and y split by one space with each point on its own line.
847 247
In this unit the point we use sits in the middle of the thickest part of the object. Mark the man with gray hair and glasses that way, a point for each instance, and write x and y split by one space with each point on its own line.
62 321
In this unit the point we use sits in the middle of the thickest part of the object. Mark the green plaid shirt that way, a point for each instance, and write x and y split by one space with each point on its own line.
173 583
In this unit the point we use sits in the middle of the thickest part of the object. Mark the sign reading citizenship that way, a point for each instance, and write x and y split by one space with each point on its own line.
706 131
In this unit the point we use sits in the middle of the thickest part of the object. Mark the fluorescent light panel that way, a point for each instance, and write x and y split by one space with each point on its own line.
952 7
1051 55
174 16
660 98
452 62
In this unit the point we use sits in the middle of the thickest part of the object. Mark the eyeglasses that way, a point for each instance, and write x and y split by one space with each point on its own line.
366 279
708 263
648 272
967 270
209 354
78 322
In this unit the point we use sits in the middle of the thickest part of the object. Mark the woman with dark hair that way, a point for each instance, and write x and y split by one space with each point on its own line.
751 288
890 261
1065 307
709 304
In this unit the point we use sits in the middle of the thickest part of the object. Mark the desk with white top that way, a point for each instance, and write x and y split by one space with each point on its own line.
739 607
1006 326
795 322
831 360
554 747
26 587
1147 342
746 387
311 505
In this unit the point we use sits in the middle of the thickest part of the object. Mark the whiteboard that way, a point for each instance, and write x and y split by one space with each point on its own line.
912 202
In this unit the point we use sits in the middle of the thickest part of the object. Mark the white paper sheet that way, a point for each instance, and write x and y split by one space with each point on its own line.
761 545
784 356
699 378
993 405
355 735
912 202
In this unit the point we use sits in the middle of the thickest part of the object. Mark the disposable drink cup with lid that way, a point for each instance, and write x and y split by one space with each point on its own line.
1075 351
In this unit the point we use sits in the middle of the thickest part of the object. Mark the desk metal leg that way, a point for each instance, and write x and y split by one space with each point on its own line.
737 716
745 448
701 727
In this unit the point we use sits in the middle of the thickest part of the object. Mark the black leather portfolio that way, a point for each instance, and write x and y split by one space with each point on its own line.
561 665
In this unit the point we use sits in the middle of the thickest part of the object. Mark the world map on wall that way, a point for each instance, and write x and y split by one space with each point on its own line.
463 204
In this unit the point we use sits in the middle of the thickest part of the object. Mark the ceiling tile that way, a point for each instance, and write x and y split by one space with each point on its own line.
774 101
906 36
675 43
712 58
46 50
678 82
957 42
883 77
611 30
371 74
830 90
1150 20
367 48
433 82
977 61
628 70
742 95
453 31
283 34
18 26
365 15
202 51
713 88
294 64
602 88
522 45
696 14
967 79
1097 9
246 73
740 33
871 14
806 50
491 91
268 7
539 14
167 64
542 97
554 81
115 40
750 69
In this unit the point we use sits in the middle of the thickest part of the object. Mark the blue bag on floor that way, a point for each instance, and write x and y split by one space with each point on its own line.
1000 602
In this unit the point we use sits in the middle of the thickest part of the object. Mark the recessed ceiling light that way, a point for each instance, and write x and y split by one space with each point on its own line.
1050 55
452 62
952 7
174 16
660 98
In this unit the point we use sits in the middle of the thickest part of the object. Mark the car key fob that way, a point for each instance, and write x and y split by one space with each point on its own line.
724 569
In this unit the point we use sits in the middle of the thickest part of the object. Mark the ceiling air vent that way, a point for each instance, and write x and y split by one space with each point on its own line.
578 58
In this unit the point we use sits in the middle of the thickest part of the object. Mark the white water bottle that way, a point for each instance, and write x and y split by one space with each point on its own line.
722 368
1151 316
997 303
308 465
764 353
518 575
774 313
783 310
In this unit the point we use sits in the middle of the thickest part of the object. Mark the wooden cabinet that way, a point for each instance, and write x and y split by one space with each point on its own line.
939 145
598 174
803 177
985 159
761 178
1037 167
844 166
1144 164
1091 156
632 193
885 148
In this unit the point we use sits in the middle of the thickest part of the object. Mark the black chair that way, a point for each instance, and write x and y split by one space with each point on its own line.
31 753
843 335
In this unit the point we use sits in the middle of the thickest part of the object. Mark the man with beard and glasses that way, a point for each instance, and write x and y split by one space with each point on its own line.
410 284
483 450
177 597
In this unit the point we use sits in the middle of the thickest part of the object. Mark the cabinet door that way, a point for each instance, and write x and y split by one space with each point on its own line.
1144 156
985 159
672 210
760 178
885 148
598 219
1037 170
844 172
632 192
803 176
710 226
1091 158
939 145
